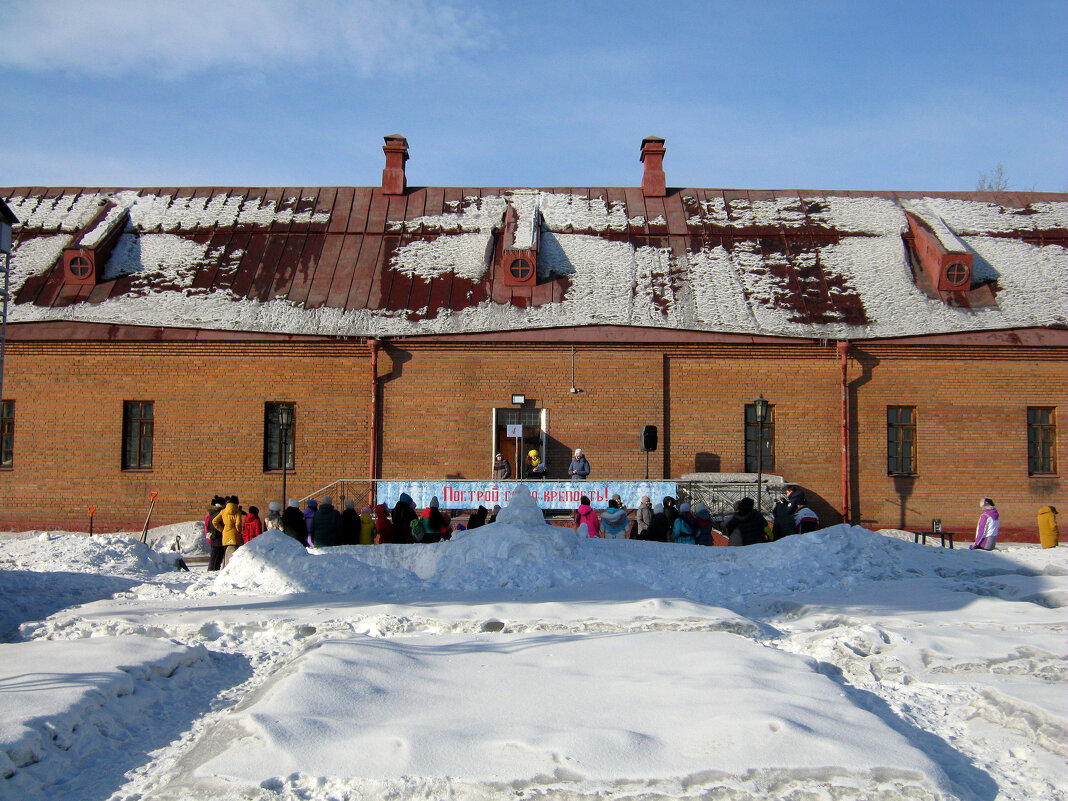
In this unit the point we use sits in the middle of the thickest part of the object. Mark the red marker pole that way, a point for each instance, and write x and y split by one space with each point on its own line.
92 511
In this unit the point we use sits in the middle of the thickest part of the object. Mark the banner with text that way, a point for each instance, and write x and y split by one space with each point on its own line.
547 494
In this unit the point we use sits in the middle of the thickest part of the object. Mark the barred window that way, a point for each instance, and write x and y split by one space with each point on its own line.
766 460
137 425
272 437
901 440
1041 440
7 433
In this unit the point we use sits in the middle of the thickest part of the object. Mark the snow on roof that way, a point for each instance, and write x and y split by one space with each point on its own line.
352 262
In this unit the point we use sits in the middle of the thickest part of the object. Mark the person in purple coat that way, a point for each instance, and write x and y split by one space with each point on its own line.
311 506
986 532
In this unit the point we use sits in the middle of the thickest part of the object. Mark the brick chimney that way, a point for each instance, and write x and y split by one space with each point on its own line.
653 180
396 150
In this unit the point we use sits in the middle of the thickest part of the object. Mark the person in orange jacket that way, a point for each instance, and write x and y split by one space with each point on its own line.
229 522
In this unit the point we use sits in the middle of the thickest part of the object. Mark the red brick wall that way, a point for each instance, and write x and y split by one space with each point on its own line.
209 410
436 403
971 408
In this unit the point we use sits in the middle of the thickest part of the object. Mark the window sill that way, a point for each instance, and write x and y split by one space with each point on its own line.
1042 475
902 475
136 469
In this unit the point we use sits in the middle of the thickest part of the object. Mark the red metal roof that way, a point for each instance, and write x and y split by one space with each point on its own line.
334 246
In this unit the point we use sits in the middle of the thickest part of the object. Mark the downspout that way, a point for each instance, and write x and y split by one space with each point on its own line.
373 452
843 354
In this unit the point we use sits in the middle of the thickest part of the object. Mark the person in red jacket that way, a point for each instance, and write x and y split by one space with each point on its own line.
383 526
252 526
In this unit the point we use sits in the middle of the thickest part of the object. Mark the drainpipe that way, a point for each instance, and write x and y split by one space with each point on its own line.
373 454
843 355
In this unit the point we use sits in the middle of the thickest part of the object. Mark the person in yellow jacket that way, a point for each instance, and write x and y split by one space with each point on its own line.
1048 534
229 522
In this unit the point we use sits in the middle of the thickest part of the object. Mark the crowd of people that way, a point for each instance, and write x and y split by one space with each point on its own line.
228 525
671 521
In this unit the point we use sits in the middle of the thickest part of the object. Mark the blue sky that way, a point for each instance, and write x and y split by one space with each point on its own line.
819 95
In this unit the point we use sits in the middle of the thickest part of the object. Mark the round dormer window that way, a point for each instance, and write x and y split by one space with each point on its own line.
956 274
80 267
520 269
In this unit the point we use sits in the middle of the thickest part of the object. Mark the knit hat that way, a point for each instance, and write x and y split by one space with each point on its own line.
578 452
312 503
406 498
293 503
328 500
253 510
500 455
532 453
366 510
274 506
744 506
434 502
350 504
684 507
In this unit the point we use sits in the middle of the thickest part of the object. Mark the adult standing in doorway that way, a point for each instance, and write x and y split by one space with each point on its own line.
579 469
502 471
535 465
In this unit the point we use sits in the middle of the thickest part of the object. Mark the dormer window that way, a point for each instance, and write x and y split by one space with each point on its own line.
521 270
80 267
957 274
517 246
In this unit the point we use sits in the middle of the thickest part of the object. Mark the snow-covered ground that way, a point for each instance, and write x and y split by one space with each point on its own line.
519 661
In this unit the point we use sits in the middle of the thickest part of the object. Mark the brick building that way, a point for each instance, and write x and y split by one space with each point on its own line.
912 345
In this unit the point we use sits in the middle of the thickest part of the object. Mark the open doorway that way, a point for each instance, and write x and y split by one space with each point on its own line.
531 424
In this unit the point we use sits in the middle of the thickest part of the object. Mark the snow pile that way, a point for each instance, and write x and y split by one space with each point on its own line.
109 554
276 564
619 726
68 705
190 535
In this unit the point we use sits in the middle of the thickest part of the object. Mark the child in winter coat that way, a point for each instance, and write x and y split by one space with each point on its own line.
383 526
252 527
367 526
986 532
703 525
685 530
350 524
586 516
614 522
273 521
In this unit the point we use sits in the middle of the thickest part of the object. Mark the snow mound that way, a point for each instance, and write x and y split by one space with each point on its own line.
276 564
68 703
72 553
513 552
189 534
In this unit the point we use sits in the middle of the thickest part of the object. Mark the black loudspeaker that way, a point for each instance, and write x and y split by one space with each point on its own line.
648 438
